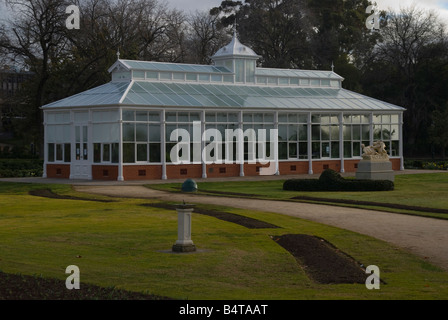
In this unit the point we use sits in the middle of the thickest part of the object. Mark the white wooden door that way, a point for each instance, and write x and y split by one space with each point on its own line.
81 167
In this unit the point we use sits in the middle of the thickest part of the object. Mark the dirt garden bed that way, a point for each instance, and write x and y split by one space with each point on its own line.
226 216
47 193
323 262
24 287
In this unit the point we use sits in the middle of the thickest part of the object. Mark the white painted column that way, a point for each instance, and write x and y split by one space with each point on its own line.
277 166
240 142
44 173
341 141
310 149
163 141
73 143
203 162
120 146
90 145
371 128
400 123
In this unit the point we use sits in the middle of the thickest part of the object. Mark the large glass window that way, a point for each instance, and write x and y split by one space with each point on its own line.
250 71
105 152
325 136
226 149
239 70
386 128
293 136
58 139
128 152
258 146
188 121
356 131
141 134
106 135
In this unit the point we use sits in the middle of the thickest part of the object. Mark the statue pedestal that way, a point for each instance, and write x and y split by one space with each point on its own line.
375 170
184 242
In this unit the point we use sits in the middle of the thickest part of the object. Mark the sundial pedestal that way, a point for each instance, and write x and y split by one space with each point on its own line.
184 242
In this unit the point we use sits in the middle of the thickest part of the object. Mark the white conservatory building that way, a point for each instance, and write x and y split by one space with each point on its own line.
123 130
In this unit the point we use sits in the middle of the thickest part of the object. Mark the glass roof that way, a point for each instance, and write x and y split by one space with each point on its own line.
107 94
297 73
173 67
144 93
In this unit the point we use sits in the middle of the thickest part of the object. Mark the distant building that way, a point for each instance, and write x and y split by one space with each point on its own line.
123 130
11 80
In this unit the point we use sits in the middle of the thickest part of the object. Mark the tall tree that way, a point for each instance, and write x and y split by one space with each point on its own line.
340 37
35 39
66 61
410 68
304 33
274 29
204 38
438 135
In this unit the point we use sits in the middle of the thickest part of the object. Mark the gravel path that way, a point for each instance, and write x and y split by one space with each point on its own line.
425 237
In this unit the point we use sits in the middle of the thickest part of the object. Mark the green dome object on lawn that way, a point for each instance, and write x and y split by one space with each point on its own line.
189 185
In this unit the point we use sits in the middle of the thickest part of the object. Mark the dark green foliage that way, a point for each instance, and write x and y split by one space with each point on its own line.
425 164
302 185
330 180
20 168
330 177
413 164
189 185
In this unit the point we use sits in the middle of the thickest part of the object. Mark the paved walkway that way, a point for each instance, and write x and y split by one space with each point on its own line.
425 237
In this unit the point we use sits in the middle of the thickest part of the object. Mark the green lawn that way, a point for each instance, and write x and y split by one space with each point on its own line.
423 190
126 245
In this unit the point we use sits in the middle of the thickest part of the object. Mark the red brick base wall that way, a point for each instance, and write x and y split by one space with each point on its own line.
223 170
154 172
142 172
100 172
396 164
291 167
184 171
350 165
58 171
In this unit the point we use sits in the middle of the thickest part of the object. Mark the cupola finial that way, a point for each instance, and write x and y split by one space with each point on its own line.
234 27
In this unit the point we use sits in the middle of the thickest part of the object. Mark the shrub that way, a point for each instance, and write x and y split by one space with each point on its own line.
302 185
20 168
330 180
428 165
413 164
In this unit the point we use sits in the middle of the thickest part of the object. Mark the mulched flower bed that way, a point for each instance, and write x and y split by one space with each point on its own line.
47 193
369 203
24 287
226 216
322 262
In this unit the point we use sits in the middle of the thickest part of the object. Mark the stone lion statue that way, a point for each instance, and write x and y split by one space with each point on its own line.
375 152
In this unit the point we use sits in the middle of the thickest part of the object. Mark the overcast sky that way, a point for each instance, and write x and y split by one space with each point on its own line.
192 5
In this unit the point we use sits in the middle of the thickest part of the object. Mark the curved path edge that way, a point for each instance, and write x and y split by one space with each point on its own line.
425 237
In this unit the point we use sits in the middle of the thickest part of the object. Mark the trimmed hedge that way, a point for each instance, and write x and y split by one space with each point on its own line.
10 168
330 180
